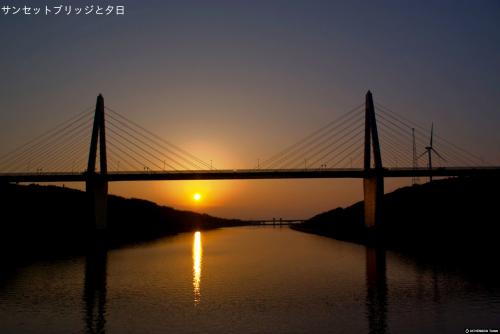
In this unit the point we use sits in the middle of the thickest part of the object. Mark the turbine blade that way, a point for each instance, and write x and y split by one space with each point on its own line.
421 155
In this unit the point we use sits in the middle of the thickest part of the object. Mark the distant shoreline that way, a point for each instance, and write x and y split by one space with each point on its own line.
455 219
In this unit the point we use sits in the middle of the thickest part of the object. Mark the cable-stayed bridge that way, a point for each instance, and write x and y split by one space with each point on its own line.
369 142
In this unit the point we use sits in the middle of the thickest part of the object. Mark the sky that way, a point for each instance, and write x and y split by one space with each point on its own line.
234 82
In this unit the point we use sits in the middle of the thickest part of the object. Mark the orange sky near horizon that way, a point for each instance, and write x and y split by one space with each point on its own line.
251 199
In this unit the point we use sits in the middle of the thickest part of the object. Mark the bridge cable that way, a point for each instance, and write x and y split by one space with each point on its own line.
43 146
199 161
316 144
310 137
45 133
316 147
448 143
190 162
162 154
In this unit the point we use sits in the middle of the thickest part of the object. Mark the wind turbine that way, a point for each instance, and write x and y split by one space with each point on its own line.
429 149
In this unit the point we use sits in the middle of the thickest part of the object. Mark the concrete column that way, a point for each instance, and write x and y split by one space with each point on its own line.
97 189
373 187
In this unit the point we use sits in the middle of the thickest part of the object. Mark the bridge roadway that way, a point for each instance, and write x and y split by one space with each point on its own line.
248 174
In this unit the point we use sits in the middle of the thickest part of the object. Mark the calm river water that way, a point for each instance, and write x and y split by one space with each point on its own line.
243 280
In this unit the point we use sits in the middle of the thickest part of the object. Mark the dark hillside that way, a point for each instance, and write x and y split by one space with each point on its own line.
456 216
56 220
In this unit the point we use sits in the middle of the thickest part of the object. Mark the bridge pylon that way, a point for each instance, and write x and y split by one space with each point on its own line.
373 181
97 183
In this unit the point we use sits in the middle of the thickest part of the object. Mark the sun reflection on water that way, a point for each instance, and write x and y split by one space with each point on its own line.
197 255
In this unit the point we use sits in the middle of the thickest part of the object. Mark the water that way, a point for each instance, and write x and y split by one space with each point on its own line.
243 280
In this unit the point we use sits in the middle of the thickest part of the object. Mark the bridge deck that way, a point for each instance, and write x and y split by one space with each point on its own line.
245 174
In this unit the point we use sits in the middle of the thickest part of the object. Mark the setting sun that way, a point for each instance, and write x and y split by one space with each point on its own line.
197 197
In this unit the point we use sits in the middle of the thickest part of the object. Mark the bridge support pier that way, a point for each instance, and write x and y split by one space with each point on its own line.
373 181
97 183
373 188
97 190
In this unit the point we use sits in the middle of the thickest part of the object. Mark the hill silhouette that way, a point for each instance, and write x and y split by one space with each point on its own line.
455 217
50 219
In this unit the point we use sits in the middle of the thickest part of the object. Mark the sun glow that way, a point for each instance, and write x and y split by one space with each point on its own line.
197 197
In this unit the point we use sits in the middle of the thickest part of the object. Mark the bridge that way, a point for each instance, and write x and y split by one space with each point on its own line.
348 147
275 221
